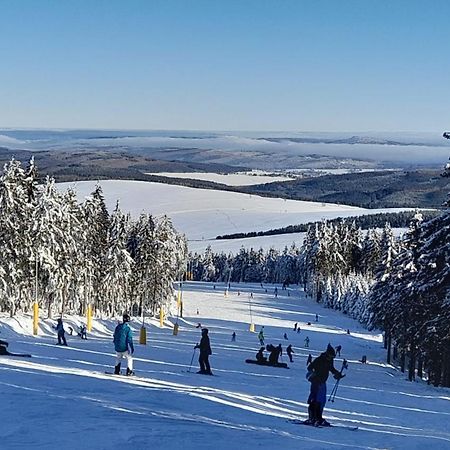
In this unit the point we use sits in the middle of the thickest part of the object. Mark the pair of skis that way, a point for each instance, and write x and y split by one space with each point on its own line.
302 422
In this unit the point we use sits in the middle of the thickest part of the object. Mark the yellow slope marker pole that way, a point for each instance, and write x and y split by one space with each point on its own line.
89 318
161 317
35 318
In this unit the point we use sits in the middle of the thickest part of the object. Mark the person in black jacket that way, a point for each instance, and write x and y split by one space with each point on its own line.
317 375
205 351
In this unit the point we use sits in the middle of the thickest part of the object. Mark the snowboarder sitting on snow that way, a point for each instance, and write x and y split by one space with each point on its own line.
205 351
317 375
260 356
3 345
275 353
123 344
61 332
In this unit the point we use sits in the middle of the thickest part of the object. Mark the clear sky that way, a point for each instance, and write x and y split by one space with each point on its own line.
316 65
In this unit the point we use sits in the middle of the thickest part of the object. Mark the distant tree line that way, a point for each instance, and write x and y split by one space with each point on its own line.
399 219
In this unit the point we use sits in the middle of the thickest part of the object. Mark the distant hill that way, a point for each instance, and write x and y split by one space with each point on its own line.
385 189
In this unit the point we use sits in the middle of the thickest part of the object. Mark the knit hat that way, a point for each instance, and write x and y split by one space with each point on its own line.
205 331
126 318
330 351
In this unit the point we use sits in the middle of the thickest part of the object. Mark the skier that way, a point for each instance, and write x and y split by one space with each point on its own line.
260 356
317 375
261 336
309 360
317 317
298 330
289 352
205 351
295 326
364 359
123 344
285 336
348 331
307 342
233 337
276 292
338 350
83 332
61 332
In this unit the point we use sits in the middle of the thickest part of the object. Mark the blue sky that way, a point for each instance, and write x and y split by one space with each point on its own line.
337 65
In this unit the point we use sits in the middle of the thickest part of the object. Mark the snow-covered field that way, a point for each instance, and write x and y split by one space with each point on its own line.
232 179
62 399
203 214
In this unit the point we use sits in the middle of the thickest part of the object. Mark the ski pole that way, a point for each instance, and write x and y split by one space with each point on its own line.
333 392
192 359
335 388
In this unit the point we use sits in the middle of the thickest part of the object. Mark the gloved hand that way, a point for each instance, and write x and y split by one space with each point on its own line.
131 351
196 346
338 376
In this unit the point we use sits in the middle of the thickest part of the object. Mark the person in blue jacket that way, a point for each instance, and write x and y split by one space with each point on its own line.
123 344
317 375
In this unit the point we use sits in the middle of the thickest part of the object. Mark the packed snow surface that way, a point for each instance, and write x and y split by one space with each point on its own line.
61 398
203 214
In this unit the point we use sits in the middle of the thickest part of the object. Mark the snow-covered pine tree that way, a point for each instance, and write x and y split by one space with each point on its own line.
118 267
16 208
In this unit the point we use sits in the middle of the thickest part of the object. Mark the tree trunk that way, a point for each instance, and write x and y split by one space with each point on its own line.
402 361
420 367
412 367
389 342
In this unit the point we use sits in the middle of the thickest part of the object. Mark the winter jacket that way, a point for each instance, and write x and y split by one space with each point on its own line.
123 338
321 367
60 327
205 348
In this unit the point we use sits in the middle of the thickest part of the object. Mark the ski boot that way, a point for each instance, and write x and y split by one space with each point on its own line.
117 370
129 372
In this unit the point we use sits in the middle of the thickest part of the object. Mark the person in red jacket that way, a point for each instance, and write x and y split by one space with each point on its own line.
317 375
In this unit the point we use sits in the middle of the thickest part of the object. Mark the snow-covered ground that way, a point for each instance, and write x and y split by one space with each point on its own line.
203 214
232 179
277 241
62 399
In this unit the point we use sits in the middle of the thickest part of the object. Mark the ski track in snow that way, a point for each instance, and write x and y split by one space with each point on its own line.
62 398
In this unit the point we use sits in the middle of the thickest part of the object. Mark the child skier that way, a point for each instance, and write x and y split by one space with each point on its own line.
123 344
261 336
61 332
205 351
317 375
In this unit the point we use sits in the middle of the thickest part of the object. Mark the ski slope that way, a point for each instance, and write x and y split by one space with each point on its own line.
203 214
62 399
